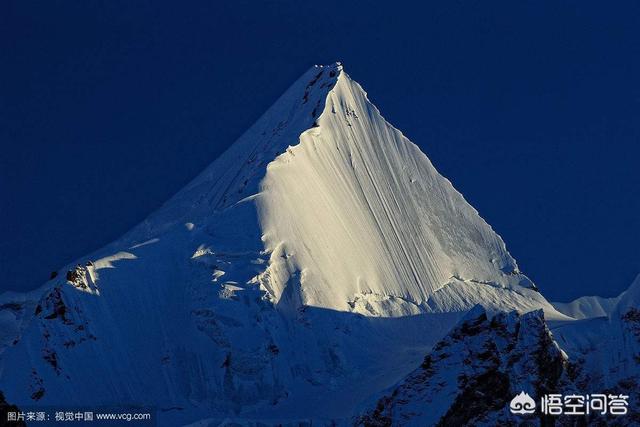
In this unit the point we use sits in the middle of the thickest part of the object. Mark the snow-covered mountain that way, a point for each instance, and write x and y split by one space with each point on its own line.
473 373
311 267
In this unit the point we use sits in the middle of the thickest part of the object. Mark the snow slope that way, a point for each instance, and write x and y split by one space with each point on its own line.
360 212
313 264
588 306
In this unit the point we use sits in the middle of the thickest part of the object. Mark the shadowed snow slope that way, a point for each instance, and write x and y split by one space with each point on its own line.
313 264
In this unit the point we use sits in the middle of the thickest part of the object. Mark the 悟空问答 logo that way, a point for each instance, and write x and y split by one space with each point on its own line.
522 404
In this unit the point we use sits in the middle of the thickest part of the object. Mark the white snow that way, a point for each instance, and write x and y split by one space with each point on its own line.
588 306
313 264
357 208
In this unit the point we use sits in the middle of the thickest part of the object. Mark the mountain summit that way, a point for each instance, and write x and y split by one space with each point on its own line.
350 212
311 266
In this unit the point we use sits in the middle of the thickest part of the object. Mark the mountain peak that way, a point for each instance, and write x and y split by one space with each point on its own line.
333 210
322 246
351 214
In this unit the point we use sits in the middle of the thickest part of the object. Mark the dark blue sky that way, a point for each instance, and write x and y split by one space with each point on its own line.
532 109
